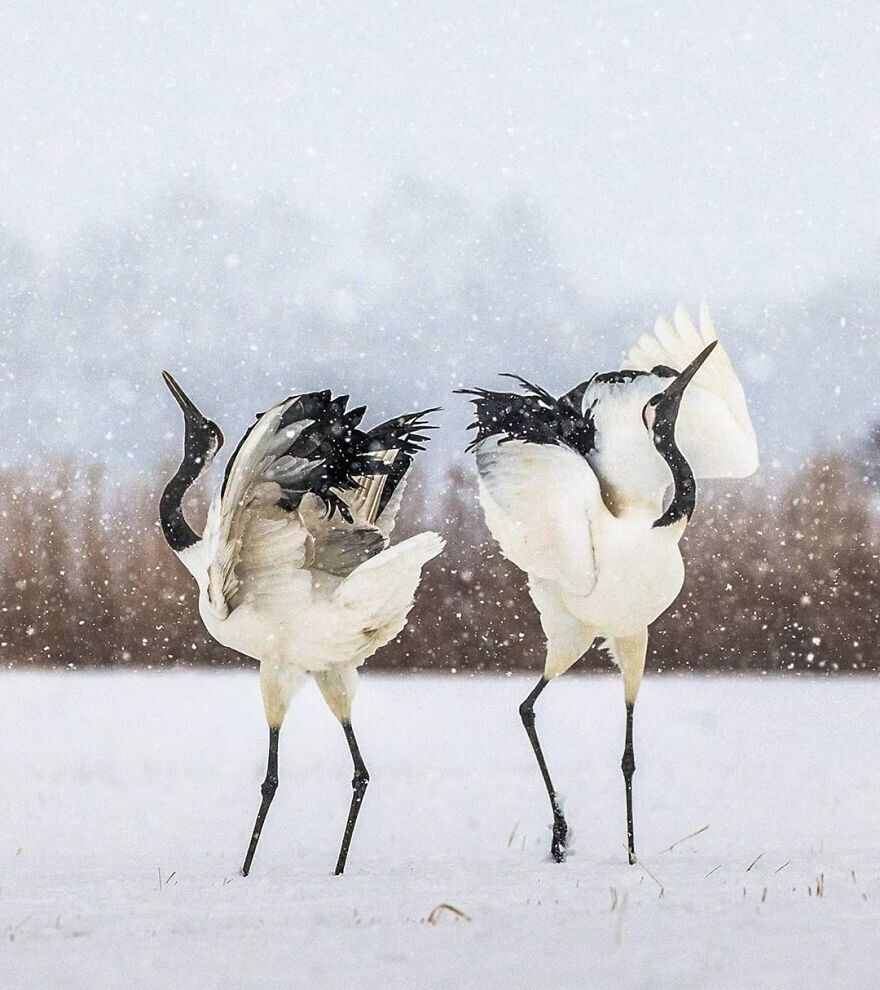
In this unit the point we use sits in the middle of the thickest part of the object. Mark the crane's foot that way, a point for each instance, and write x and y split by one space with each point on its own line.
560 839
633 859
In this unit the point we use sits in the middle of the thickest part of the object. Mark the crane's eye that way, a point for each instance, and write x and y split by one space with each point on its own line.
212 428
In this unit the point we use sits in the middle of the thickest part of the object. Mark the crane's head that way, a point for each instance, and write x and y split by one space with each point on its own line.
661 410
634 415
203 437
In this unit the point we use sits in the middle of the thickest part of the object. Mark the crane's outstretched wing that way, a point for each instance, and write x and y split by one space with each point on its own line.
539 494
714 429
540 502
306 488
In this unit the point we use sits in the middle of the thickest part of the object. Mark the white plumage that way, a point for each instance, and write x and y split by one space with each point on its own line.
530 494
295 566
714 429
300 588
573 491
591 572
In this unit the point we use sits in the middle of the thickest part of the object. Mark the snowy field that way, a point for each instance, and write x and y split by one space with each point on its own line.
127 801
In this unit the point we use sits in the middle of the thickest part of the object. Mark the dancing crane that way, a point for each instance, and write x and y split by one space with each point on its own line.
573 489
295 566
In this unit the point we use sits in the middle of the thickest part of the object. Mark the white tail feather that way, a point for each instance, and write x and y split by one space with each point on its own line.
714 421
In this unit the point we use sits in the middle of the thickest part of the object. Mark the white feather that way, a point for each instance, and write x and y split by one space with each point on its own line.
364 502
591 572
300 588
714 429
538 502
247 493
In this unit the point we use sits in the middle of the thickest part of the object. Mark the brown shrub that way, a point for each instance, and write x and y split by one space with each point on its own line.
779 576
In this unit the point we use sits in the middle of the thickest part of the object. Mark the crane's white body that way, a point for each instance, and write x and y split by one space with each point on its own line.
583 527
314 622
641 576
591 573
287 588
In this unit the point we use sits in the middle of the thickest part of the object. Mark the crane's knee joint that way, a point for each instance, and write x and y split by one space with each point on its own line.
527 714
360 780
270 785
628 764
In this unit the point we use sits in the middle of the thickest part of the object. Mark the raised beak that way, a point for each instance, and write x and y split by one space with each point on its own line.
684 379
183 400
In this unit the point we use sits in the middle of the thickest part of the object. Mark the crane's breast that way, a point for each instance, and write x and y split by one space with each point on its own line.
640 573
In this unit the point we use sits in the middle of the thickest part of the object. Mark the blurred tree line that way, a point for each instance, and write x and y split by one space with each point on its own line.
782 574
423 292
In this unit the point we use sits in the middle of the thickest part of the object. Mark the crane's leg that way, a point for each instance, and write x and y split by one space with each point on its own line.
527 714
568 639
630 652
628 766
338 685
359 788
270 785
278 683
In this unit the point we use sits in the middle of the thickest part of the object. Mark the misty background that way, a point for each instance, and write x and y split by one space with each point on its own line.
397 199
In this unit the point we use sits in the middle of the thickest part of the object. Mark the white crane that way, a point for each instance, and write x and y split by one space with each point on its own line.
573 491
294 567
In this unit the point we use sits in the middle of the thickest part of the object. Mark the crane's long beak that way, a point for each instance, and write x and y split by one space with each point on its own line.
684 379
183 400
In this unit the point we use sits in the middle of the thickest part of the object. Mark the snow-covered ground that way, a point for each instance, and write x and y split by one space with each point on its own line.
126 802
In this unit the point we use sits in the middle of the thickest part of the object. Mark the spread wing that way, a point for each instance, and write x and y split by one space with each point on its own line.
714 429
306 489
541 503
372 604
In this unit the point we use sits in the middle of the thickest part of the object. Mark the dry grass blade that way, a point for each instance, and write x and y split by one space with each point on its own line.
781 868
437 911
754 861
709 874
678 842
649 873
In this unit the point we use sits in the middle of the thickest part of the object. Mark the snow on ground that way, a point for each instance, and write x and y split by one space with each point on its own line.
126 802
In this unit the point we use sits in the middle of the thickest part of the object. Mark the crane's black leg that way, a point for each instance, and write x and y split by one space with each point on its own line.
359 788
270 785
628 766
560 828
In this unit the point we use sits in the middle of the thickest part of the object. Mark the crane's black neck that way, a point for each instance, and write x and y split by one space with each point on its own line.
177 531
684 495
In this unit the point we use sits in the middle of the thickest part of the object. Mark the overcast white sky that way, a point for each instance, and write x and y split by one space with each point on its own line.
681 149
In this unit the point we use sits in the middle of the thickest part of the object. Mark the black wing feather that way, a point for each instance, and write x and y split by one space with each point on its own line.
536 417
337 451
403 434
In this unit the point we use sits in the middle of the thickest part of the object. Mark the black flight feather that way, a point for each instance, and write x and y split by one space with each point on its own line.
337 451
535 417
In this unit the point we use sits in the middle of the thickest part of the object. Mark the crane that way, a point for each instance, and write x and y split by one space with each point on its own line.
295 566
573 487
